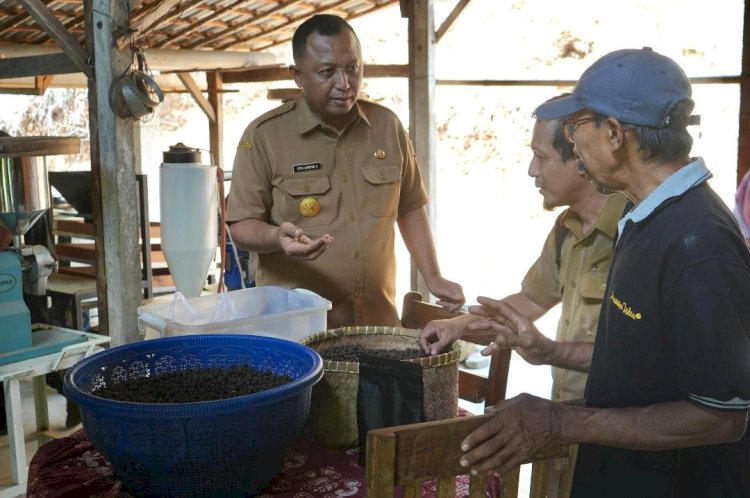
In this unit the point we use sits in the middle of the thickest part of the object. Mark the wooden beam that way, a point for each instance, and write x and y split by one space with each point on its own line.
422 108
114 189
150 19
41 83
192 87
743 137
54 28
216 127
698 80
37 65
194 27
243 25
448 22
281 73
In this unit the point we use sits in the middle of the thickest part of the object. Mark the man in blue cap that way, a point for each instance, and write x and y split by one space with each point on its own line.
668 391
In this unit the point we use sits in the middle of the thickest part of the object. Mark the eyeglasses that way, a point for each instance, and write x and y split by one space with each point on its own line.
570 126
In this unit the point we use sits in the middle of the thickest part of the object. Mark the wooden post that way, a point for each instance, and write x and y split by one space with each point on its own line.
113 179
216 126
743 142
421 106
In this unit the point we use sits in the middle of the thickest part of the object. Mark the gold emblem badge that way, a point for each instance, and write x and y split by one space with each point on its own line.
309 207
246 145
380 154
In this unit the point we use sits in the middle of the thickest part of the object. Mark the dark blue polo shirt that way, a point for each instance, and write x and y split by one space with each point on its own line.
674 325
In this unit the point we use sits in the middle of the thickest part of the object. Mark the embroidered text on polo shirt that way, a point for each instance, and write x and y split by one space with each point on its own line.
301 168
626 310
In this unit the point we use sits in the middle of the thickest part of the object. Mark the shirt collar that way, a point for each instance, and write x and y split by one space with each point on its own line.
309 121
606 222
677 184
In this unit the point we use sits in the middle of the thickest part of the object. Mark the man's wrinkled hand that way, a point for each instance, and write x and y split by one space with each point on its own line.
523 427
513 330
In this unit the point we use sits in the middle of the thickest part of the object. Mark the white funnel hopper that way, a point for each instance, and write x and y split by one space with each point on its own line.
189 217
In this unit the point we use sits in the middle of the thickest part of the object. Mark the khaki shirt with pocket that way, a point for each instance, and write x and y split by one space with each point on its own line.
354 186
579 283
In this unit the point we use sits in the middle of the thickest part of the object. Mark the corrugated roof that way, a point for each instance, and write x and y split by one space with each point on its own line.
190 24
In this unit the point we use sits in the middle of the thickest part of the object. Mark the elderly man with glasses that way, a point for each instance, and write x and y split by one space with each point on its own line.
668 392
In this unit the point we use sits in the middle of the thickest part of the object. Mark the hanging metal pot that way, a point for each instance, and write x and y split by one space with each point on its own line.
134 95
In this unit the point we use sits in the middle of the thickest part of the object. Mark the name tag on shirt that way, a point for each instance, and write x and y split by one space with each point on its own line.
301 168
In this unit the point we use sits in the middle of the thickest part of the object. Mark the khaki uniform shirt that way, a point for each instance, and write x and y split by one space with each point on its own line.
579 282
354 186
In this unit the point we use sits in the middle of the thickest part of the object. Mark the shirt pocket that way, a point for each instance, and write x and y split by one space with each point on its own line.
383 184
293 191
593 284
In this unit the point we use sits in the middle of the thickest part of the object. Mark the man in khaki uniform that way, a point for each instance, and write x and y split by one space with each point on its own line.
572 267
319 183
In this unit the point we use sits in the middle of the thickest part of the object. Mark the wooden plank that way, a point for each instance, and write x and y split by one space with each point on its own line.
79 252
73 228
422 109
54 28
434 449
216 127
448 22
446 487
478 486
471 387
743 136
41 83
380 469
192 87
243 25
159 13
283 94
39 146
281 73
37 65
194 27
510 481
413 490
114 190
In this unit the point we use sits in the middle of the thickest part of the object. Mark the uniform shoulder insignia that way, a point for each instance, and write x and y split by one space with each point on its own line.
365 103
273 113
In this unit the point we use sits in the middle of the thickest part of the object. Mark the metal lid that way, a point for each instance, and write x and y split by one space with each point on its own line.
181 153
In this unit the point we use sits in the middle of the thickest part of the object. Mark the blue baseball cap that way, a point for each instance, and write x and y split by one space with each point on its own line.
635 86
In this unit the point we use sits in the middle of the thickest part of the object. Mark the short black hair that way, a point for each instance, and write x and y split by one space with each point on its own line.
323 24
559 142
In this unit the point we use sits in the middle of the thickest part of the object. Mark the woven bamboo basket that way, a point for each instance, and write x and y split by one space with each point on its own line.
333 409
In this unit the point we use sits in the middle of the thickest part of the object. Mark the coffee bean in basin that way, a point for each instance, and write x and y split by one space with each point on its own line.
190 386
353 353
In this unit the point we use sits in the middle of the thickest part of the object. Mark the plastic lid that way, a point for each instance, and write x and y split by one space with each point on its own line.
181 153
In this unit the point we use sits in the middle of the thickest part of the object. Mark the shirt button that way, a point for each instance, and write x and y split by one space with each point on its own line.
307 188
339 144
574 284
352 217
589 332
566 322
578 247
603 287
356 254
345 179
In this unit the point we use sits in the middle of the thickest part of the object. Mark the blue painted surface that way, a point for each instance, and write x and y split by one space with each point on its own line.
15 319
43 342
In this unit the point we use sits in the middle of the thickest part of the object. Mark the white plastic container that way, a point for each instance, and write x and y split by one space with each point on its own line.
270 311
189 217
